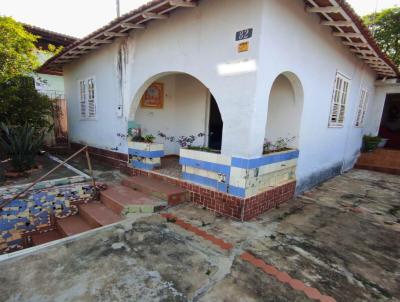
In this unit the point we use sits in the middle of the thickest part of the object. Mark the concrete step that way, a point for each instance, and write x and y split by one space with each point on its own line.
120 198
42 238
97 214
72 225
172 194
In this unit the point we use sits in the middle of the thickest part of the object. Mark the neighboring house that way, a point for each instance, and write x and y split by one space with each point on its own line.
50 83
241 72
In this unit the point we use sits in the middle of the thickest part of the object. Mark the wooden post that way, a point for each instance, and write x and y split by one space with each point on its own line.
90 168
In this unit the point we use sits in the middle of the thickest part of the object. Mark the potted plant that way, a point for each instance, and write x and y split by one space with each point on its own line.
371 142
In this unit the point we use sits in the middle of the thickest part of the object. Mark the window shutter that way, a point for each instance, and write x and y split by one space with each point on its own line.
91 98
362 108
82 95
339 101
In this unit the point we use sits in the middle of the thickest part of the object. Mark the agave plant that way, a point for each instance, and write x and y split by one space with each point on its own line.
21 144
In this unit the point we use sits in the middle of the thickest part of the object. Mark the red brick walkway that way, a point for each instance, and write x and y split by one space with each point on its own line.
268 269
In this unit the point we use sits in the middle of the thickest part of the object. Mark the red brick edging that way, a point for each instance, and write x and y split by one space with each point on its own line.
282 277
207 236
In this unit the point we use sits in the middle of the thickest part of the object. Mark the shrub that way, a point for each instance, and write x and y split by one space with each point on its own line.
20 103
21 144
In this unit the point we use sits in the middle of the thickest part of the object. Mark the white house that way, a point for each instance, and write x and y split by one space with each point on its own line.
240 72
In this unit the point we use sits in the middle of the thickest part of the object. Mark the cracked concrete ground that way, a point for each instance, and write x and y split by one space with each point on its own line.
341 238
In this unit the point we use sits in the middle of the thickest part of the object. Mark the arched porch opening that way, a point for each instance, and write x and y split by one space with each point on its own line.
285 107
175 108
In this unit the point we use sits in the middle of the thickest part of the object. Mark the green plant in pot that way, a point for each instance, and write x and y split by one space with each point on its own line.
371 142
149 139
21 144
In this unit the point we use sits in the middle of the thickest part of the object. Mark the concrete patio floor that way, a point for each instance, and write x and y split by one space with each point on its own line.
342 238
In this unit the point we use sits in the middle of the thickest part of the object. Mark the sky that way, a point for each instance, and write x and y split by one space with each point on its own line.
79 18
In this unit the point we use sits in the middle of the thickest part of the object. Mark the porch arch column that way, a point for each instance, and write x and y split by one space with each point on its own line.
238 113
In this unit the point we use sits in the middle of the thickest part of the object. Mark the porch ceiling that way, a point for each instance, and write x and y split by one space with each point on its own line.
337 14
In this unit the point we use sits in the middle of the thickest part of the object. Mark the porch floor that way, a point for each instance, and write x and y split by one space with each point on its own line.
170 167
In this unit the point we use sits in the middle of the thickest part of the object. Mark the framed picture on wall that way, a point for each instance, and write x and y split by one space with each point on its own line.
153 97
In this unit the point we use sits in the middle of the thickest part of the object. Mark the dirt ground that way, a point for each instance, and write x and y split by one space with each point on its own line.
102 171
45 163
341 238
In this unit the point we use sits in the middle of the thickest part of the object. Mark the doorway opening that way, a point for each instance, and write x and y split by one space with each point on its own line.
390 124
215 126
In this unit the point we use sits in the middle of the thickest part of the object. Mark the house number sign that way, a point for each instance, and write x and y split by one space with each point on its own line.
244 34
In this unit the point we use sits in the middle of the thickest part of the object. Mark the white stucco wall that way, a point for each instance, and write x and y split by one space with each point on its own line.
102 132
194 41
184 112
197 41
293 40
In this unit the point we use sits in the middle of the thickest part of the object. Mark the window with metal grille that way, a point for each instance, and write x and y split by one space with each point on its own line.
339 100
362 108
87 96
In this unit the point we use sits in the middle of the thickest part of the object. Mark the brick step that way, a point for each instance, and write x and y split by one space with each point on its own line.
118 198
172 194
42 238
97 214
72 225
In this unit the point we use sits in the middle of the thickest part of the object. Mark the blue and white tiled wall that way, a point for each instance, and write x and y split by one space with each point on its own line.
236 176
145 156
208 169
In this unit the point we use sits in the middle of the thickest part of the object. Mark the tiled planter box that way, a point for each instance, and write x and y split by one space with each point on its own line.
146 156
250 177
241 177
206 168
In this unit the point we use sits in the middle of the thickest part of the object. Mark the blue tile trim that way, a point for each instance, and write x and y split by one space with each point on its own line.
222 187
238 192
263 161
205 165
144 166
147 154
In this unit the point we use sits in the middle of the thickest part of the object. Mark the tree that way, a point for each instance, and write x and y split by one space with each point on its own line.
17 50
386 28
20 103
